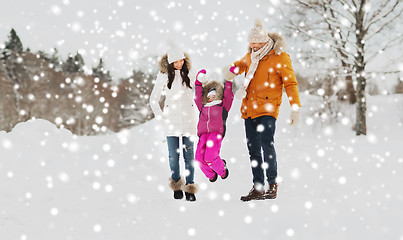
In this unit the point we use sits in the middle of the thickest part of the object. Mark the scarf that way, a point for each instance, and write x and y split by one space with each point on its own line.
212 103
255 57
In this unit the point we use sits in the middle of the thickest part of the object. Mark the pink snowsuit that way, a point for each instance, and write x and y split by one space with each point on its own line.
211 128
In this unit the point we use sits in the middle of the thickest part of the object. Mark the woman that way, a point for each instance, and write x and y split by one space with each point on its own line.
177 117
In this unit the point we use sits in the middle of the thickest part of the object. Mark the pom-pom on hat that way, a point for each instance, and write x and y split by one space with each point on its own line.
258 34
175 53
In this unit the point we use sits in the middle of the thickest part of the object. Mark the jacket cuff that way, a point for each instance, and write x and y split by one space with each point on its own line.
198 83
228 75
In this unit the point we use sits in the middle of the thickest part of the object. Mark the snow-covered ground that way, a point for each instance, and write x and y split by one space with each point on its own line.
333 185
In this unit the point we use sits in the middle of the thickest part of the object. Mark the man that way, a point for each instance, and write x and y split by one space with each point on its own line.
268 71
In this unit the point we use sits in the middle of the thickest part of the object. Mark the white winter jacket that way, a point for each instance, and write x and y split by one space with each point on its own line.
179 116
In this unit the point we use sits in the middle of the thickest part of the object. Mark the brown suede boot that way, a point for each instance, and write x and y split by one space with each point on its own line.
253 195
271 193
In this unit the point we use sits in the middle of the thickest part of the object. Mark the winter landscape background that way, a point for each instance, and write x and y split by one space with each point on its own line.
333 185
81 156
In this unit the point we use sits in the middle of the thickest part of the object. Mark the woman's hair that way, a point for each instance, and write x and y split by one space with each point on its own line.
184 74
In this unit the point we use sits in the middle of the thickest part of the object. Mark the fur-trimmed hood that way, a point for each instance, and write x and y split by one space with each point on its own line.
279 43
213 84
163 64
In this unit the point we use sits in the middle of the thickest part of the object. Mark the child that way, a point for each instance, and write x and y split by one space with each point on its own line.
213 101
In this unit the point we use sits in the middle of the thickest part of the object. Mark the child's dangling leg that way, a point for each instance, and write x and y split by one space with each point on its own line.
200 158
212 155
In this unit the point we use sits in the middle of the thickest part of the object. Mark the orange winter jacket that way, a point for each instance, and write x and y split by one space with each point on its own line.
265 90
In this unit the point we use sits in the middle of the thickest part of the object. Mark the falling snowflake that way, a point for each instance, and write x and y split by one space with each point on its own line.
320 153
106 147
178 26
108 188
260 128
342 180
7 144
191 231
97 228
248 219
226 197
290 232
54 211
64 177
308 205
274 208
56 10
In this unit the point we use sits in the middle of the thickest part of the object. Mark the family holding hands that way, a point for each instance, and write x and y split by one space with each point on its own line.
268 70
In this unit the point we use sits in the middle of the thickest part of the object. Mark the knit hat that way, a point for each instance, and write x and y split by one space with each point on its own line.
258 34
212 91
175 53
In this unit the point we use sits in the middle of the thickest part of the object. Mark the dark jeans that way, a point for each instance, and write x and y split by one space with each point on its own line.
260 136
188 155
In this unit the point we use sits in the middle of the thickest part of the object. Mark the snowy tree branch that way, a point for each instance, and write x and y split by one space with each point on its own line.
384 72
383 26
332 8
377 12
397 39
382 17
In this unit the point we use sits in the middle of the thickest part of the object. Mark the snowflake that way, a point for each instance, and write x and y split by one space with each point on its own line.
97 228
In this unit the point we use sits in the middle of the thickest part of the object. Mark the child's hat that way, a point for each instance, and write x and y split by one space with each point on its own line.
211 91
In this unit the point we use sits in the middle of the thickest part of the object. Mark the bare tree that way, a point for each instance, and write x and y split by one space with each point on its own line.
356 32
133 99
41 86
8 109
399 87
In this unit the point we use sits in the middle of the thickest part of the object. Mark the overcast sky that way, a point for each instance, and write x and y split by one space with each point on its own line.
123 32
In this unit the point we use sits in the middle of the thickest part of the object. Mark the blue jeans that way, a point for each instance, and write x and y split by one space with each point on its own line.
188 155
260 136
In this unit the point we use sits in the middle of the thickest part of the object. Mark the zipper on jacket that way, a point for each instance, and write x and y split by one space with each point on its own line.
208 119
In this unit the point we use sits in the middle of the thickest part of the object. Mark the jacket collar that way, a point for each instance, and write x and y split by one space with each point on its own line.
163 63
213 103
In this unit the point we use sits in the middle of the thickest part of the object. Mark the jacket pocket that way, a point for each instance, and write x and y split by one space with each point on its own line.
166 110
266 104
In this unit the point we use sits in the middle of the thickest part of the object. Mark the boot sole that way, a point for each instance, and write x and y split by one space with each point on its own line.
263 197
226 174
254 198
215 178
268 197
180 195
190 198
226 170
